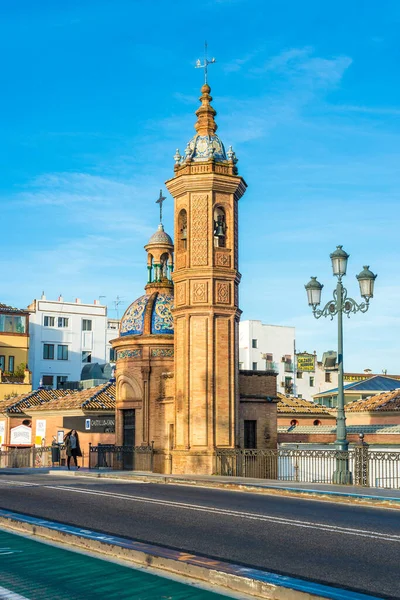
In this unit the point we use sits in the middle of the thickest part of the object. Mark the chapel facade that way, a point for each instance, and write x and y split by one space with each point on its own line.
177 373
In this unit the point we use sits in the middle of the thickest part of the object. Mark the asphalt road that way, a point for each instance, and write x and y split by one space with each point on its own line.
349 546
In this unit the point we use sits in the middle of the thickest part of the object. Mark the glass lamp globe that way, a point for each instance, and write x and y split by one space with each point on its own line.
366 280
314 289
339 261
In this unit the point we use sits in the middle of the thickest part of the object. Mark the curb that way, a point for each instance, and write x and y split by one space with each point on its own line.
327 495
257 583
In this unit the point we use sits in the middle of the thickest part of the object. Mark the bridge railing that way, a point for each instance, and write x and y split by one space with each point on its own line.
35 457
118 458
369 468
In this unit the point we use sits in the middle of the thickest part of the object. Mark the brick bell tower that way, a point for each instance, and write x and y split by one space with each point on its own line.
206 188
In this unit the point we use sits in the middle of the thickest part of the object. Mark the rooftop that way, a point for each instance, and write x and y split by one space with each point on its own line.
4 308
351 429
388 401
100 397
289 405
378 383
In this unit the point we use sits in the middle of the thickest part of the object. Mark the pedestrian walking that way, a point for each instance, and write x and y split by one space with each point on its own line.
72 447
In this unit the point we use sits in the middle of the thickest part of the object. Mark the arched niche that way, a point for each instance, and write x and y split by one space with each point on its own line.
128 389
182 230
219 227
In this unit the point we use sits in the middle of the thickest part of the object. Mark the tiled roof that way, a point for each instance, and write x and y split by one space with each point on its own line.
351 429
32 399
379 383
387 401
11 309
101 397
298 405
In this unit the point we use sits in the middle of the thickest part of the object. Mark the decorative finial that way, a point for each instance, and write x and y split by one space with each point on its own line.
205 64
177 157
160 201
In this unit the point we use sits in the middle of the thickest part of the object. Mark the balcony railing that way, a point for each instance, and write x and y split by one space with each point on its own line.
271 366
289 367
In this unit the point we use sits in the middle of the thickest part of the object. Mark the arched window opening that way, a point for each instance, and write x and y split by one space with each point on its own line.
164 260
182 228
219 228
317 422
149 268
293 423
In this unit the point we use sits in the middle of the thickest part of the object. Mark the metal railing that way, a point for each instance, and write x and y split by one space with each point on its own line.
369 468
40 457
118 458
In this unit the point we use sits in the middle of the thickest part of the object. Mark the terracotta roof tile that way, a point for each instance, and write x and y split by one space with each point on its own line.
388 401
298 405
101 397
11 309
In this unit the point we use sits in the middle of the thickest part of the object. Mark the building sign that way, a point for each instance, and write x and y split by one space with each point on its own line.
356 377
305 362
40 431
2 432
102 424
21 436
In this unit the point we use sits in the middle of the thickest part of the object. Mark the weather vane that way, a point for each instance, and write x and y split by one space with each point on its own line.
160 201
206 63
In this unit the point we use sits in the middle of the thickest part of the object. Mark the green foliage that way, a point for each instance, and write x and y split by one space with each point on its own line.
20 370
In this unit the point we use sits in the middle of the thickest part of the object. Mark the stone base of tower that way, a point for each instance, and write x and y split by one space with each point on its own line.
193 462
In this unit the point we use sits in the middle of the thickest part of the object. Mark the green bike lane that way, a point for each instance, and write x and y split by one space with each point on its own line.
39 571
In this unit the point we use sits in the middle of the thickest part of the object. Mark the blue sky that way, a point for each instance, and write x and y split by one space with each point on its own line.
97 95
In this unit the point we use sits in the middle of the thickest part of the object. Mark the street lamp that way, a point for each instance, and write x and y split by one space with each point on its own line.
340 305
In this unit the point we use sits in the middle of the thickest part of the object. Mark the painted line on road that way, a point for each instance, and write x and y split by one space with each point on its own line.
202 567
6 594
365 533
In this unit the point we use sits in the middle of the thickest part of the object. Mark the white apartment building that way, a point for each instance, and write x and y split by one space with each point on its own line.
268 347
272 347
64 336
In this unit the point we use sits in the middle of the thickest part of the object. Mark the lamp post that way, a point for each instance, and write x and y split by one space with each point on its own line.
339 306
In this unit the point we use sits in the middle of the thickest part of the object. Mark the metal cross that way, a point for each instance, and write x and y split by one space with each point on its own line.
205 64
160 202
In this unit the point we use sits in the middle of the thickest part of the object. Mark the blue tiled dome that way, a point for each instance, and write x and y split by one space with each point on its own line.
204 147
161 321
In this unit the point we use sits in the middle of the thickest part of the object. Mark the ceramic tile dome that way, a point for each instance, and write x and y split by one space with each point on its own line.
160 237
161 320
204 147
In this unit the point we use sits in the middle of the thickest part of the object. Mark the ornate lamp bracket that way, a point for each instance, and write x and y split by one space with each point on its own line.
348 306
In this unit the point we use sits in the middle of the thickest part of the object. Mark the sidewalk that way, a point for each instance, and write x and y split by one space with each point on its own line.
322 491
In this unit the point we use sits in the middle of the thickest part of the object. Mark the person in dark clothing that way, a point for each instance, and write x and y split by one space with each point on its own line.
72 447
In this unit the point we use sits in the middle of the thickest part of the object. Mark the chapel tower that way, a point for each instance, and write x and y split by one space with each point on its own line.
206 188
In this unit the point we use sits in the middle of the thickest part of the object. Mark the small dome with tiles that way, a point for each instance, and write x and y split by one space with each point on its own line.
160 237
205 147
149 314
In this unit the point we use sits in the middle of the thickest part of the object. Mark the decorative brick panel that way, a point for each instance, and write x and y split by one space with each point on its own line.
222 259
199 230
199 292
222 292
180 293
180 260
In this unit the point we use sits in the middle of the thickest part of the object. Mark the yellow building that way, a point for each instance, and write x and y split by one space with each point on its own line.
14 347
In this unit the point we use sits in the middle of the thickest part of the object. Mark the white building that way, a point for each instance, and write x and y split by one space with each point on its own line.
268 347
64 336
272 347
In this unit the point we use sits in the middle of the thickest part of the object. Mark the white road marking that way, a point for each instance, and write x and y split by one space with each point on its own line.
222 511
6 594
